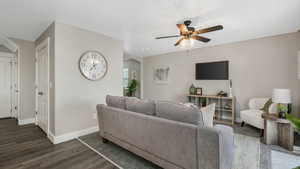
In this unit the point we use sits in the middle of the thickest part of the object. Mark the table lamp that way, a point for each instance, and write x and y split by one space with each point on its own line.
283 98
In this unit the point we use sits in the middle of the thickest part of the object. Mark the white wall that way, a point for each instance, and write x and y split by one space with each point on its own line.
256 67
76 97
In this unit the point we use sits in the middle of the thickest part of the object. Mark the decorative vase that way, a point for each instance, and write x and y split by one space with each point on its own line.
281 115
230 88
192 89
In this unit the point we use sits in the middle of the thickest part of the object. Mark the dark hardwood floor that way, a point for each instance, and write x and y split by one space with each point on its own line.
27 147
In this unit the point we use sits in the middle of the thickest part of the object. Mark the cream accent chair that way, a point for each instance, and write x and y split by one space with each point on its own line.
252 116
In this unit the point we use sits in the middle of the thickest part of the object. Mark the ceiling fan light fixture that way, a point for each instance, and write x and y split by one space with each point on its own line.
187 43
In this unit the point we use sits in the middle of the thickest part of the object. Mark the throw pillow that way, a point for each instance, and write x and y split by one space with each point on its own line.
267 106
208 113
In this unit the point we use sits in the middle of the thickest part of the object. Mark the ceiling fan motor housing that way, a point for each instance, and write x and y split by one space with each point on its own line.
187 24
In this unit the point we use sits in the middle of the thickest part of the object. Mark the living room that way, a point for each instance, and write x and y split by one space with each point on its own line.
187 85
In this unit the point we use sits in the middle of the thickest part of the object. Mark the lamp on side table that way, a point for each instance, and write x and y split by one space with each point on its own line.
278 130
283 98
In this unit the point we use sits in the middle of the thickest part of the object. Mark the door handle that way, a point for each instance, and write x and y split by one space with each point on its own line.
40 93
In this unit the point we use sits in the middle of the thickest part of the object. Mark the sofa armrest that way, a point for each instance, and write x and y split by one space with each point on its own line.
215 147
99 108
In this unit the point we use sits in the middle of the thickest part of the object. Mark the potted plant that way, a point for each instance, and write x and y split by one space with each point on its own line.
132 87
295 122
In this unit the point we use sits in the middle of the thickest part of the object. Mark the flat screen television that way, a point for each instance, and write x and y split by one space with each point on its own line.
212 70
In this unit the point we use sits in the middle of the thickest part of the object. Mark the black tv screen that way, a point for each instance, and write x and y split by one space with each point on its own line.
212 71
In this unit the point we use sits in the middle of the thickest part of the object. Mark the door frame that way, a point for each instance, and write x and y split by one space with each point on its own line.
12 56
44 43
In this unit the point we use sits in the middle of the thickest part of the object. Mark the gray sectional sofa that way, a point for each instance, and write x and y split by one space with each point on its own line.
170 135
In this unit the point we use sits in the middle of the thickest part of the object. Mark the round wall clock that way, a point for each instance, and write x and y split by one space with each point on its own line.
93 65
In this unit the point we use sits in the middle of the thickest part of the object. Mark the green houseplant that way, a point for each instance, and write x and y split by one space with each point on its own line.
132 87
295 122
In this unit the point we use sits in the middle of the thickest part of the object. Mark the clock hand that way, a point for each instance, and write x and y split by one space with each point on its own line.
93 67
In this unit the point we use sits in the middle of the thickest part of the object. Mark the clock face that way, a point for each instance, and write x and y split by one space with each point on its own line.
93 65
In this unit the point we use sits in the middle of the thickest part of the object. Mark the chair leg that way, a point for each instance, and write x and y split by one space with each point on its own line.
243 123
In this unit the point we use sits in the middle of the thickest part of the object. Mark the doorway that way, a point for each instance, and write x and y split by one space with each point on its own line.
42 85
132 71
8 85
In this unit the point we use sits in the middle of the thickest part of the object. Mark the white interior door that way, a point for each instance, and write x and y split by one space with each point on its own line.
42 86
5 87
14 87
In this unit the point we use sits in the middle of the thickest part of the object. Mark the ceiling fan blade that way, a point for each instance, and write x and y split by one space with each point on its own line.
179 41
214 28
183 29
163 37
200 38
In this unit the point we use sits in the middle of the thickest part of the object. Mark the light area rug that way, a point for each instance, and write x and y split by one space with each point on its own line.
282 160
247 152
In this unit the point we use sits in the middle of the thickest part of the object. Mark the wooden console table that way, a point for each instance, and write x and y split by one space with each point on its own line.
278 131
225 107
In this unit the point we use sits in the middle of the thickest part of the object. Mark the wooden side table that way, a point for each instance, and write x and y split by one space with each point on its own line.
278 131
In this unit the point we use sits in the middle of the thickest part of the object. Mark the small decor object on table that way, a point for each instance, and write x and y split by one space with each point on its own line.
230 88
283 98
198 91
192 90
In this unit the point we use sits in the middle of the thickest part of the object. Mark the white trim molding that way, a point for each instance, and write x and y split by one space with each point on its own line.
26 121
299 64
72 135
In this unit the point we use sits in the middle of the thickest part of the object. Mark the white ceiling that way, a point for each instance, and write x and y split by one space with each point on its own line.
138 22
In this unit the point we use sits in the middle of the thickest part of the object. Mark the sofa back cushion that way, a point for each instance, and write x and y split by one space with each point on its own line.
140 106
179 112
115 101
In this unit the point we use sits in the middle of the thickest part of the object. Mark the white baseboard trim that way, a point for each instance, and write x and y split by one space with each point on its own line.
26 121
72 135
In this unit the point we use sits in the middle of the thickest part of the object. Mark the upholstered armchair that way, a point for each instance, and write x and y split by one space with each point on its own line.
252 116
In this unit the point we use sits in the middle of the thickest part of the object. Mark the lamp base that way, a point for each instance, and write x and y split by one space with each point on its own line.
281 115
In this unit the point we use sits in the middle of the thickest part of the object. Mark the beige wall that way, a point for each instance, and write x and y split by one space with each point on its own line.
50 32
76 97
256 67
27 78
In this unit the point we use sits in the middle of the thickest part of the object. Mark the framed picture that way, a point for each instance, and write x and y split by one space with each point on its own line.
161 74
198 91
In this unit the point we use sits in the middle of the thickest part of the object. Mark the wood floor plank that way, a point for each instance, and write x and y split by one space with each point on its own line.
27 147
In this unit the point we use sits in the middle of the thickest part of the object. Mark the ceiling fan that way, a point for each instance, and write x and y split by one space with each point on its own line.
188 32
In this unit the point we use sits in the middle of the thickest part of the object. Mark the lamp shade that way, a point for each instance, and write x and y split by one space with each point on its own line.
281 96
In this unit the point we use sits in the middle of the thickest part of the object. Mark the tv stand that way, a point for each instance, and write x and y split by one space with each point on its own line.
225 107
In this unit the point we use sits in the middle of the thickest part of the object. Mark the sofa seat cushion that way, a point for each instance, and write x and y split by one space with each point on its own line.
179 112
253 117
115 101
140 106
